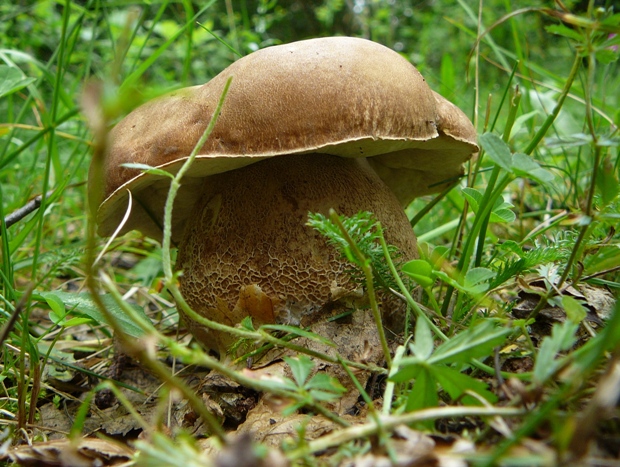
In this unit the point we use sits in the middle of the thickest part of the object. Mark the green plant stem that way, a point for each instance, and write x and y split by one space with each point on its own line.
512 116
388 394
171 279
365 264
144 349
486 206
504 94
382 433
6 269
428 206
585 361
420 314
434 304
405 292
319 355
137 348
133 78
583 231
595 164
197 356
542 131
259 335
340 437
25 334
176 184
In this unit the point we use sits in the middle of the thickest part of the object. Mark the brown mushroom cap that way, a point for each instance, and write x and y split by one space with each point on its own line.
341 96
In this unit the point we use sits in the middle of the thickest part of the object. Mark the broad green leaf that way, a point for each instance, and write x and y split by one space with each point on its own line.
475 342
320 396
436 256
301 367
323 387
500 212
587 356
575 311
524 166
148 169
75 322
449 280
606 56
420 271
58 313
324 382
456 383
423 344
613 20
246 323
502 216
562 30
82 303
607 257
424 393
12 80
472 287
473 197
409 370
572 140
607 182
476 276
497 150
284 383
514 247
562 338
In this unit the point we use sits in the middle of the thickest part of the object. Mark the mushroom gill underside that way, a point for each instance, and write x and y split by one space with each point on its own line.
247 250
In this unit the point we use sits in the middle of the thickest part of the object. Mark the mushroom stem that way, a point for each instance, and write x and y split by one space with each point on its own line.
248 251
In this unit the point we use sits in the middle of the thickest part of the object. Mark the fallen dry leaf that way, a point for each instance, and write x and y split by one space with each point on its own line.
85 452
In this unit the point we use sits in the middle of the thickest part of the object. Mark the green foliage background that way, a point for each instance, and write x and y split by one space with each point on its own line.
562 223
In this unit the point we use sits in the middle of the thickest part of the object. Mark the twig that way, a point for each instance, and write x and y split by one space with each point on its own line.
26 209
29 207
8 325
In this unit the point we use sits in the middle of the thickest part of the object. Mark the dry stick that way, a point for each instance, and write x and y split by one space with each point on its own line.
8 325
26 209
29 207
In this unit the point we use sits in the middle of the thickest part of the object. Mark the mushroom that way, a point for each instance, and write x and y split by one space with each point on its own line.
335 122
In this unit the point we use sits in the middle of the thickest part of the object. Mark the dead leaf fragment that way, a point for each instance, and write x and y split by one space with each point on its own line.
85 452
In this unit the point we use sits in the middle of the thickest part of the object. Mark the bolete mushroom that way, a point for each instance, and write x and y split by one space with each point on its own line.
336 122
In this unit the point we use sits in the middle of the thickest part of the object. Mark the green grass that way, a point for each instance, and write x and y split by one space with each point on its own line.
540 201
